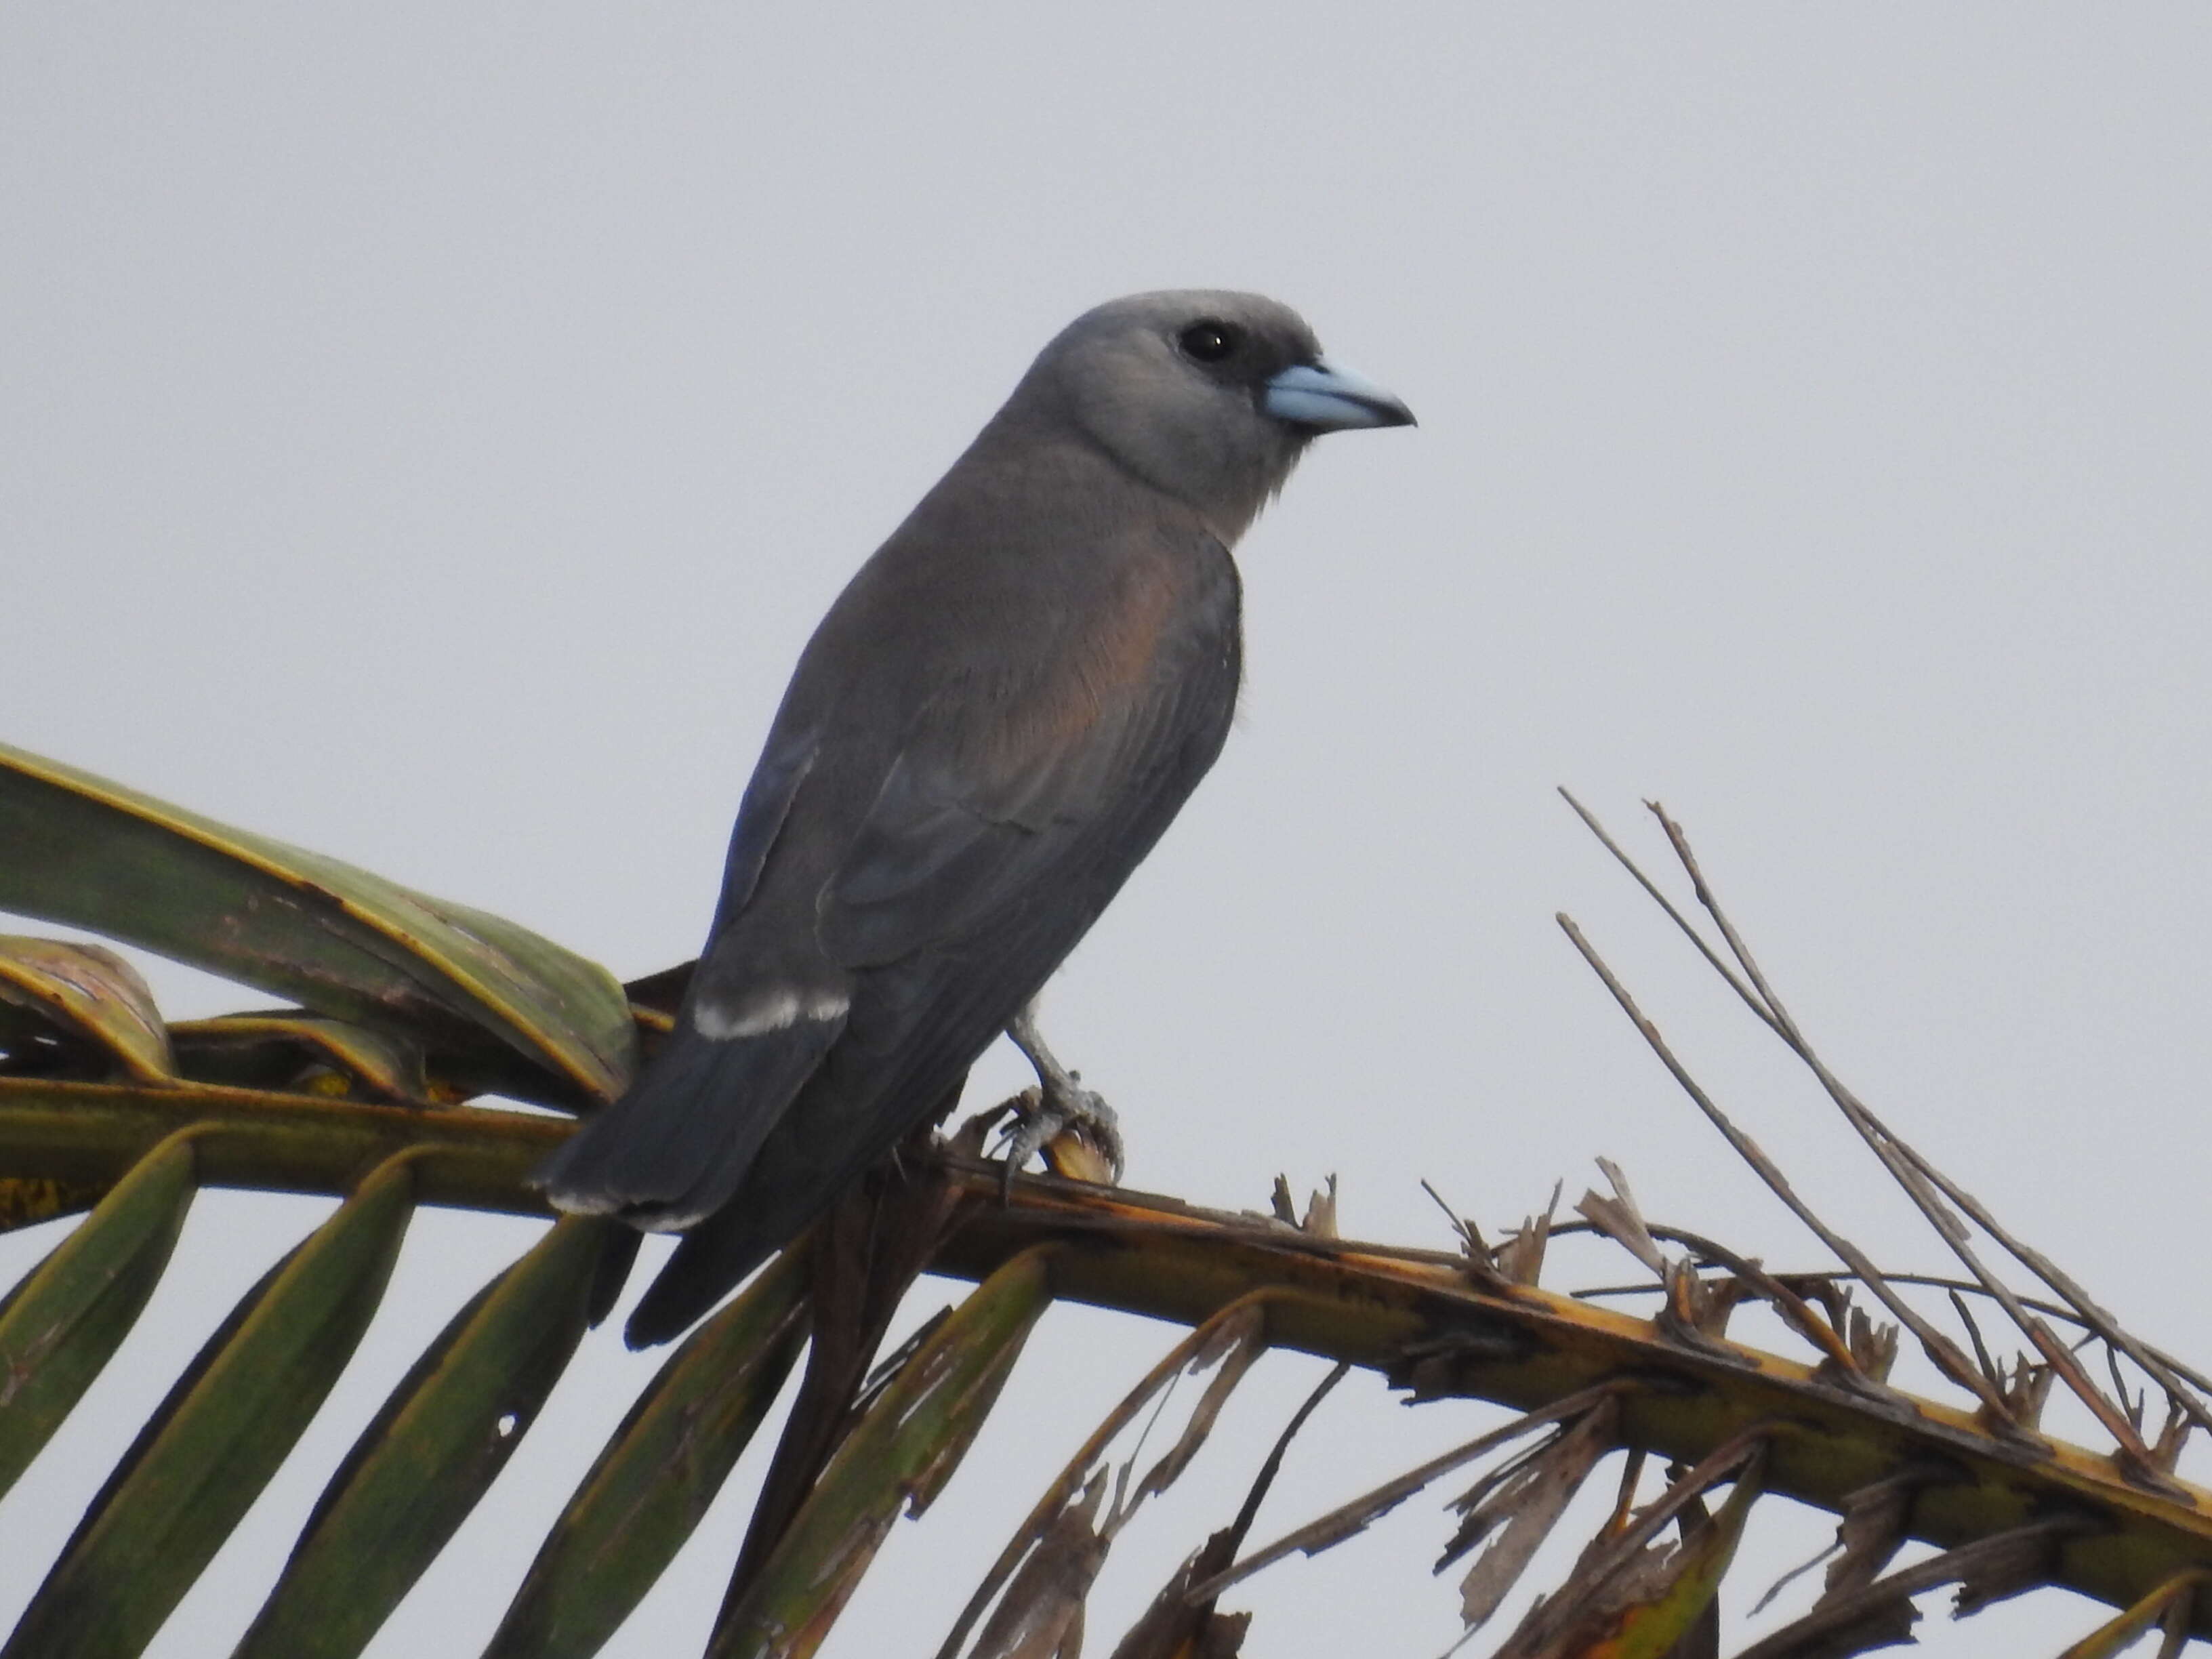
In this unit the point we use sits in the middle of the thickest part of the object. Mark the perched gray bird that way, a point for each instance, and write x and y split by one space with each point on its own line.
994 724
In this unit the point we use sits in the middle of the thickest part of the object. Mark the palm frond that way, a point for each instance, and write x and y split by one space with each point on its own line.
409 1009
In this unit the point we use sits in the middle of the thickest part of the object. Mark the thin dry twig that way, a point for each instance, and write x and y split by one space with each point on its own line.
1689 928
1178 1624
1990 1367
1946 1353
2175 1378
1927 1187
1917 1175
1266 1478
1481 1261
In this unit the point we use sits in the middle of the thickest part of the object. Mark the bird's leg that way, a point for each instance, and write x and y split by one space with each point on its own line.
1062 1103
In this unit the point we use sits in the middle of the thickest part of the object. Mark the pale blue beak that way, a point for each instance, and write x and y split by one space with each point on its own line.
1329 399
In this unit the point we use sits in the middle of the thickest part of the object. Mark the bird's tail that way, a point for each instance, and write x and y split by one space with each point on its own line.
672 1150
793 1177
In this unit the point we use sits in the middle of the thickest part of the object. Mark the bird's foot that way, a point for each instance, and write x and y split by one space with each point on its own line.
1073 1126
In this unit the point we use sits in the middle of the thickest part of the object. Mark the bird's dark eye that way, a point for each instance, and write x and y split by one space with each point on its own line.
1209 342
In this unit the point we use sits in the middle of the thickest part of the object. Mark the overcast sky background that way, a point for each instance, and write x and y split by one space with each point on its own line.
428 432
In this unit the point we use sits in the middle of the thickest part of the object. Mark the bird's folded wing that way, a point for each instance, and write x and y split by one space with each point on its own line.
952 842
783 767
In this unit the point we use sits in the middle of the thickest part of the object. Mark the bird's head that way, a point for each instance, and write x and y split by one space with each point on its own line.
1208 395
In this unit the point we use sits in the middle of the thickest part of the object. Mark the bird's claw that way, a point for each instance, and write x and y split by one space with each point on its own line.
1044 1119
1059 1103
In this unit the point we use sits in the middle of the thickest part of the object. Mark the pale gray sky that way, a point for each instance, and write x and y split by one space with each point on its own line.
428 432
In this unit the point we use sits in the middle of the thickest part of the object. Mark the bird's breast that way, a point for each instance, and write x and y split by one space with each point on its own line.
1140 633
